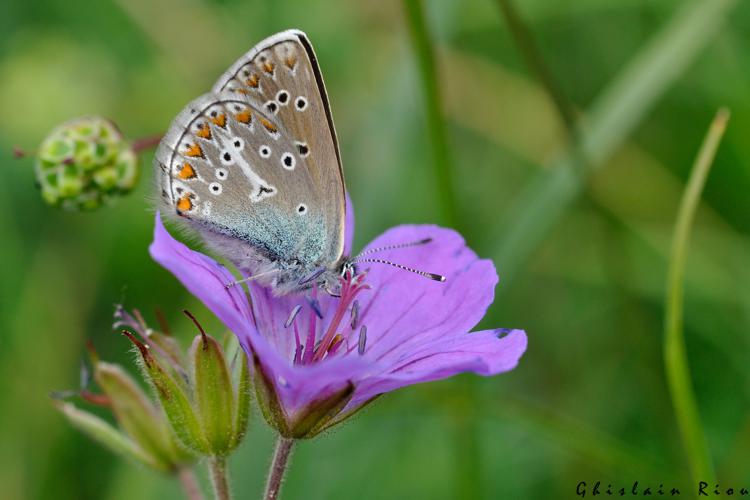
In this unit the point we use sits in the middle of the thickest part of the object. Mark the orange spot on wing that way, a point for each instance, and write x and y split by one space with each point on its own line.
220 120
184 204
194 151
253 81
268 67
204 131
269 126
244 116
186 172
290 62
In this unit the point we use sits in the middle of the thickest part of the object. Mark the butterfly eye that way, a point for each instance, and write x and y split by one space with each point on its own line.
300 103
264 151
302 209
215 188
226 158
288 161
282 97
221 173
238 143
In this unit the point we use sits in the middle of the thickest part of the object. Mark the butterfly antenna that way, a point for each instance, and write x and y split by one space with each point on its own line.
249 278
432 276
423 241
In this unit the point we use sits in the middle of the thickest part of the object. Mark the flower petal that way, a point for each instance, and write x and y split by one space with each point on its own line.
206 279
486 353
405 311
203 277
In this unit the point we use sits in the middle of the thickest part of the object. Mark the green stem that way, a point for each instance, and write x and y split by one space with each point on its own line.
278 467
441 160
189 484
217 466
675 355
529 50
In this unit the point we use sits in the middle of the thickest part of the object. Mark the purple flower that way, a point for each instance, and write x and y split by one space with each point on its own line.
317 361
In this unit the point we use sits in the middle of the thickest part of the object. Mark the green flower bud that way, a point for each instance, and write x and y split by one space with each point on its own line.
137 415
214 394
223 410
242 408
109 437
84 163
174 399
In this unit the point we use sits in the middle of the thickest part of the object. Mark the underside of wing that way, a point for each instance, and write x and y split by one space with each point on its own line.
233 169
281 76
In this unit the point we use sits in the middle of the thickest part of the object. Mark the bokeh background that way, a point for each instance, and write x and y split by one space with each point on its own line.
579 225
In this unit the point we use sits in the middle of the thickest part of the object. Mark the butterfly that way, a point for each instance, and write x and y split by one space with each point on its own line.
254 166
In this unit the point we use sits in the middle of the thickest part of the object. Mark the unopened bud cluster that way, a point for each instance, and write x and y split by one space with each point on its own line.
84 163
207 411
199 410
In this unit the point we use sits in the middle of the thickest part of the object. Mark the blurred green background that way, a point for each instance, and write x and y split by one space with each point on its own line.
580 234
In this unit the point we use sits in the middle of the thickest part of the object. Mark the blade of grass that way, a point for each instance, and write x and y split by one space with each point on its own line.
675 355
441 158
525 40
611 119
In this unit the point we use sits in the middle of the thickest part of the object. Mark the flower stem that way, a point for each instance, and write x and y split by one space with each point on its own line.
217 466
189 484
278 467
675 355
148 142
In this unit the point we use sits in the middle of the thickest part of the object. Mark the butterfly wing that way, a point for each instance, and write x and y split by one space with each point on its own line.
258 163
280 75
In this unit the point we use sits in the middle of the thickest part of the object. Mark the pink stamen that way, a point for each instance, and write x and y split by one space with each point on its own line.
351 285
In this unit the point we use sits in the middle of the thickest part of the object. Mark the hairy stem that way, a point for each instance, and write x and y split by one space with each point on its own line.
675 354
189 484
217 466
278 467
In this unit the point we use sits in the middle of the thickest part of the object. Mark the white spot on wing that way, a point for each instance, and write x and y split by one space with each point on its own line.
288 161
300 104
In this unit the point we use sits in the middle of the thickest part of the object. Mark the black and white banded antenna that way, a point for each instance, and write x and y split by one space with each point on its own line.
432 276
359 258
397 246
